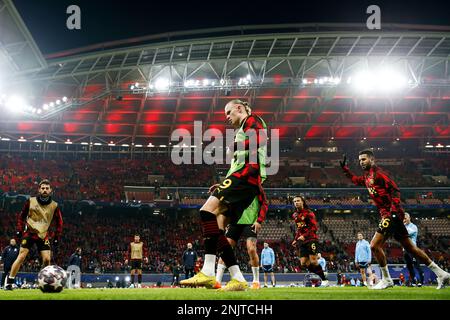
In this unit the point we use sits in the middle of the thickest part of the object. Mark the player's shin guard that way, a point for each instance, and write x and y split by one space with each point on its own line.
226 251
210 230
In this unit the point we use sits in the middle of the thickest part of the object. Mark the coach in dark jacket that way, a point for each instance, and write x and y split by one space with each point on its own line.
189 259
9 255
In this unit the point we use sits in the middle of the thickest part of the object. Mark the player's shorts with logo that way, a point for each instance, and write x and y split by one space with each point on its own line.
236 231
267 268
136 264
308 248
392 227
29 239
237 195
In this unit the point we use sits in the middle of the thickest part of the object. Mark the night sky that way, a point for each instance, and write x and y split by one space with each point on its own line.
107 20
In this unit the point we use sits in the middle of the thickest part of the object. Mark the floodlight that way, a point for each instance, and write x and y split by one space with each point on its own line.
15 104
162 84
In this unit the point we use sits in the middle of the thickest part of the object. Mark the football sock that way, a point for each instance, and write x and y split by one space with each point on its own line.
210 230
220 270
236 273
436 269
317 270
226 251
385 272
209 265
139 278
255 271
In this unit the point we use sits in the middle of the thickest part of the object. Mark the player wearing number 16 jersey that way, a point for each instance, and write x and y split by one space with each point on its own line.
306 236
386 195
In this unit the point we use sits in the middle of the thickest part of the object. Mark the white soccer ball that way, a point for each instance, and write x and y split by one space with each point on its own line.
52 279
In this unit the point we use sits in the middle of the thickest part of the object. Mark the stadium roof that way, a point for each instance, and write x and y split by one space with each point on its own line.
18 51
296 76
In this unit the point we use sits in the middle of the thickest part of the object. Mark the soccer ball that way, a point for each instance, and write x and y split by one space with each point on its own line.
52 279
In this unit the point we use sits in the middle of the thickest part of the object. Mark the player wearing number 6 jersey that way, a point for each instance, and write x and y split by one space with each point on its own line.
386 195
306 236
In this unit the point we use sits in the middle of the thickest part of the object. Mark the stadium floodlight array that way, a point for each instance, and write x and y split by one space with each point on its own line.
383 80
321 81
17 104
110 143
54 106
436 146
164 84
14 103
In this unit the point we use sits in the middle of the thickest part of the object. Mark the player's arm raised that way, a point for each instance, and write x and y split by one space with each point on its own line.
357 180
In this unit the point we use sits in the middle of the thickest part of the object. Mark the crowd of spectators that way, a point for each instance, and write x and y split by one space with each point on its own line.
104 180
104 238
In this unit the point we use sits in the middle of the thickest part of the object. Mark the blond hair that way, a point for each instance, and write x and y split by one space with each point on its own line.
247 107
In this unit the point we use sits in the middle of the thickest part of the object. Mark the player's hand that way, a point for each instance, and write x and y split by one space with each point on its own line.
126 261
213 187
256 227
294 243
343 163
146 260
301 238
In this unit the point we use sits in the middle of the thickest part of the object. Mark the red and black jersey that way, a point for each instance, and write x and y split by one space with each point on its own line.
306 223
382 189
251 171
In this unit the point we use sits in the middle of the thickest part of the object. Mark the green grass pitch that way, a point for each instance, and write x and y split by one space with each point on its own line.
283 293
